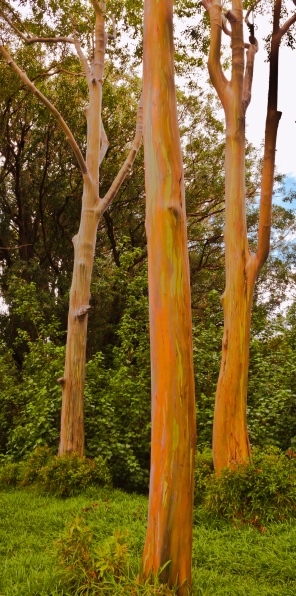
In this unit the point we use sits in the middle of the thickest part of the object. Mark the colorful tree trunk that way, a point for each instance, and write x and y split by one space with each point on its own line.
230 435
169 532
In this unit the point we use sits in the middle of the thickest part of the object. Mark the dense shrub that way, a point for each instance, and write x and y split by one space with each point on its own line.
34 463
61 476
9 398
117 398
271 409
257 492
37 421
91 568
204 470
11 474
66 475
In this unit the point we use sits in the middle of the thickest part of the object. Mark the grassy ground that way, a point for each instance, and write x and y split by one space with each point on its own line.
226 561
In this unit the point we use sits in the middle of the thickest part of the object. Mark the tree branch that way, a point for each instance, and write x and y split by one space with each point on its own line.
217 76
114 29
49 106
248 78
225 28
288 24
251 9
29 40
99 6
104 144
272 122
115 186
82 57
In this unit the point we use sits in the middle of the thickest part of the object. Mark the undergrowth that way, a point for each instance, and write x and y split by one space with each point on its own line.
87 566
62 476
256 492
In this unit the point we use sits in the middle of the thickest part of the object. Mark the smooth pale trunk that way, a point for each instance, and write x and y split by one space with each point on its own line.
72 417
169 532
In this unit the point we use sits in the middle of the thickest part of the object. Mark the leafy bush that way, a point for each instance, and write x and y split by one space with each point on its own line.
37 422
204 470
117 394
33 464
85 566
89 568
67 475
11 474
260 491
61 476
271 409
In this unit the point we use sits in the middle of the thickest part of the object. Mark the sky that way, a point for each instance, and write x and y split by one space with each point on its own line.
286 143
256 113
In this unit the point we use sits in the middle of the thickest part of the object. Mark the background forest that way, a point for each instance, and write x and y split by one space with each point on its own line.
40 209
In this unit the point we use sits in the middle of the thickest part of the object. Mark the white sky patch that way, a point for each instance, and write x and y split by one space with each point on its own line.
256 114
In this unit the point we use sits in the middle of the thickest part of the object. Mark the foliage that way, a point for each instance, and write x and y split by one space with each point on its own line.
9 401
67 475
60 476
117 399
88 568
34 463
203 472
271 396
259 491
11 474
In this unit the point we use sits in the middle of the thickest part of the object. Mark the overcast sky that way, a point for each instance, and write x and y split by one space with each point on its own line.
286 145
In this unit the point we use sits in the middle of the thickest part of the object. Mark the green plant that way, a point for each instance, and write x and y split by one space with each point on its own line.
86 566
259 491
204 470
67 475
90 568
11 474
117 395
61 476
33 464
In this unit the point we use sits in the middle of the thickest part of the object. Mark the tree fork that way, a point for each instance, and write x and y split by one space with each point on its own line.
230 435
93 208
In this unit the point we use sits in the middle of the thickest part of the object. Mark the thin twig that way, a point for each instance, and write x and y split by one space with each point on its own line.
104 144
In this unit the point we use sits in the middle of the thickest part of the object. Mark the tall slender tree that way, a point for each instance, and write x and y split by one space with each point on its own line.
169 532
93 207
230 435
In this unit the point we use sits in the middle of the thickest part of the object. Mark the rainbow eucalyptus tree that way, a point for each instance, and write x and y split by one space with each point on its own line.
93 206
169 532
230 435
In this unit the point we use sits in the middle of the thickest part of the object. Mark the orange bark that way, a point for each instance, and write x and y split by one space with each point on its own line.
169 532
230 435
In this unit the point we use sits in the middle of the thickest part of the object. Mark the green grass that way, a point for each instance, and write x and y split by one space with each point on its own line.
226 561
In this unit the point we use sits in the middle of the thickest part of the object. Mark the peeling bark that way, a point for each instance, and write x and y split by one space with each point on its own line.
169 531
230 434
